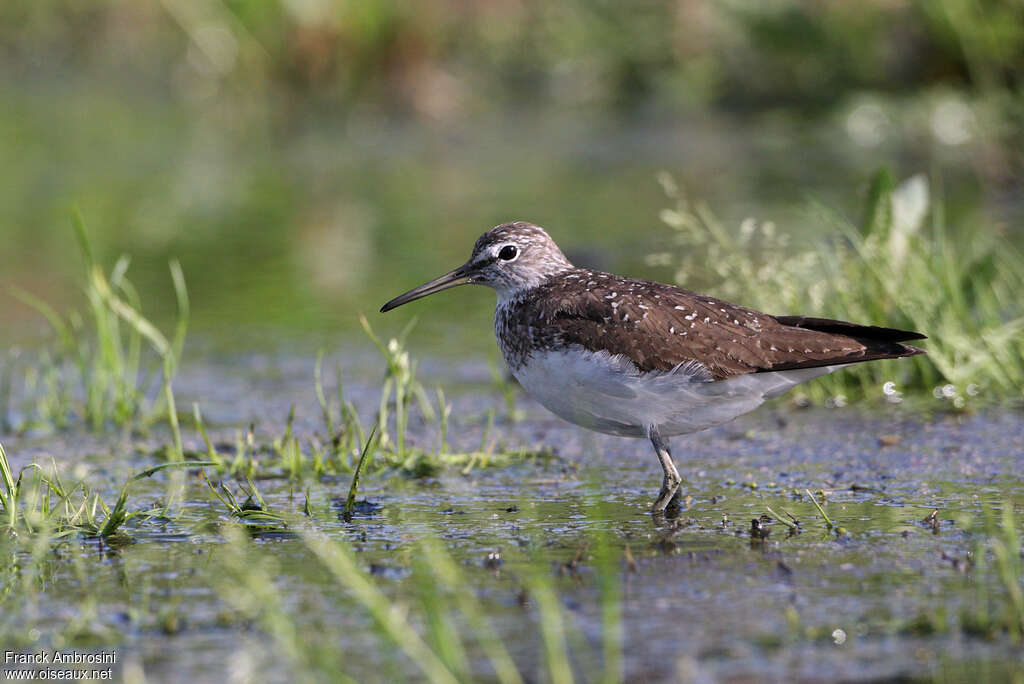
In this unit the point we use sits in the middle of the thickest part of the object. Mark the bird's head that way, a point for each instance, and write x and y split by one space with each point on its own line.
509 258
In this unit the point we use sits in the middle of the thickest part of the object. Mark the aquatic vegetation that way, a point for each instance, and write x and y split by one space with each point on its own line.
399 388
380 450
350 500
37 503
391 450
821 511
98 370
789 520
253 512
440 628
903 267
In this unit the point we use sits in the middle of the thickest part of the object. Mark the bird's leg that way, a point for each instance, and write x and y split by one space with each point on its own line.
669 496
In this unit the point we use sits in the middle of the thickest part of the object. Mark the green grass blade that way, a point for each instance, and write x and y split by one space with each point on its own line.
350 502
821 510
339 561
552 628
184 308
447 572
78 223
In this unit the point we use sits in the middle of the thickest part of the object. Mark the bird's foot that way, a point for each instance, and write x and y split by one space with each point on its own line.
669 497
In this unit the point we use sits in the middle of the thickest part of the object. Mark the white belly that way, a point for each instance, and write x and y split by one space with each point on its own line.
606 393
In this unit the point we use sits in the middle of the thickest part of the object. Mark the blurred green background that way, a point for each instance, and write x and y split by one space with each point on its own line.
306 160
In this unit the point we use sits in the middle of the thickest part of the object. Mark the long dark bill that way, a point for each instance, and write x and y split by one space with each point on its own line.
451 279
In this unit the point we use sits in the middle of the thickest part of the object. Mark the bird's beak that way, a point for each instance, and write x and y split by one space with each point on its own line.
459 276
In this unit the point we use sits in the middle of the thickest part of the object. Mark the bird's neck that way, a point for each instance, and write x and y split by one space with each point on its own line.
511 293
510 296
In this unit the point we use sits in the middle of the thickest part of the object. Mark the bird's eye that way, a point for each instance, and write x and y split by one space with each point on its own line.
508 253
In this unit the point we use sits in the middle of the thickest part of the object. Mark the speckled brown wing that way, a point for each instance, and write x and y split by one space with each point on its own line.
660 327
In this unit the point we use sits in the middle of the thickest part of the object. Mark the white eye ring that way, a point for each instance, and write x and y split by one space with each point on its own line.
508 252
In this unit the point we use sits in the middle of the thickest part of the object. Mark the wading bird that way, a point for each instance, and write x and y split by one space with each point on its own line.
644 359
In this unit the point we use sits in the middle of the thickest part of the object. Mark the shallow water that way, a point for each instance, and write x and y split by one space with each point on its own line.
703 601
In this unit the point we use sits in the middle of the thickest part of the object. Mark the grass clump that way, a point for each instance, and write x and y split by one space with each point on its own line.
348 443
253 512
902 266
349 447
399 388
110 373
37 503
384 448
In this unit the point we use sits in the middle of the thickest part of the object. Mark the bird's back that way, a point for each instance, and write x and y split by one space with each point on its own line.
660 327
